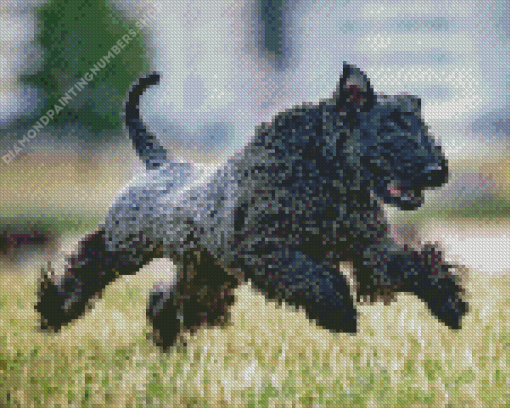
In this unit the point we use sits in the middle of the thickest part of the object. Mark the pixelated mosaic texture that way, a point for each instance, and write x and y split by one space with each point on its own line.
279 249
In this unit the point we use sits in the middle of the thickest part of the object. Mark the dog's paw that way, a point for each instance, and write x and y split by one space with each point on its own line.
441 288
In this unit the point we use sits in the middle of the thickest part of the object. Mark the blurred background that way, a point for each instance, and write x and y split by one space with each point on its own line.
227 66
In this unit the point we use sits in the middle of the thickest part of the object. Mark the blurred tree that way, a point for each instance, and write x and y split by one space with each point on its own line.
75 35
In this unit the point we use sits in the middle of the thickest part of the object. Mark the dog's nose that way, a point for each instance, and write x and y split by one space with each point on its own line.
437 174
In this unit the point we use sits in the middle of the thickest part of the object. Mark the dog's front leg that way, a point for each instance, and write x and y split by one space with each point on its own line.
63 298
423 273
299 279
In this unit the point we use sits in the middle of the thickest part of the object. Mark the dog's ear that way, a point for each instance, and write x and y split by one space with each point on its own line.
354 92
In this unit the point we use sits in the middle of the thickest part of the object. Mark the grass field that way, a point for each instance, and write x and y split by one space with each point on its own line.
268 357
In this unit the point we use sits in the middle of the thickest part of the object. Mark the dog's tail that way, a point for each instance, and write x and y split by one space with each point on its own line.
147 146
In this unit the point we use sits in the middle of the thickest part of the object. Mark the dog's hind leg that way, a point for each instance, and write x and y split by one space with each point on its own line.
201 297
163 313
63 298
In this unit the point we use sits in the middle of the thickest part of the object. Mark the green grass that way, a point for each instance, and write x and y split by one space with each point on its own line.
492 209
55 224
268 357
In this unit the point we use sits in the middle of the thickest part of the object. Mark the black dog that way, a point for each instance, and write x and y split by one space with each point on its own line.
304 195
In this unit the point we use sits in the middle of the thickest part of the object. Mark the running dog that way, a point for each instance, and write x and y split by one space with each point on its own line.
305 194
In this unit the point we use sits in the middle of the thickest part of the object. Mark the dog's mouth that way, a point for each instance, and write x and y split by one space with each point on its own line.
407 198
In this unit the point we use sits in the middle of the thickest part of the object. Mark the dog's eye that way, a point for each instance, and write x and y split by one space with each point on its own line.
402 121
407 121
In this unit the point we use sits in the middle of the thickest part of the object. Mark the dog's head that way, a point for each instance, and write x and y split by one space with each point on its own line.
397 153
